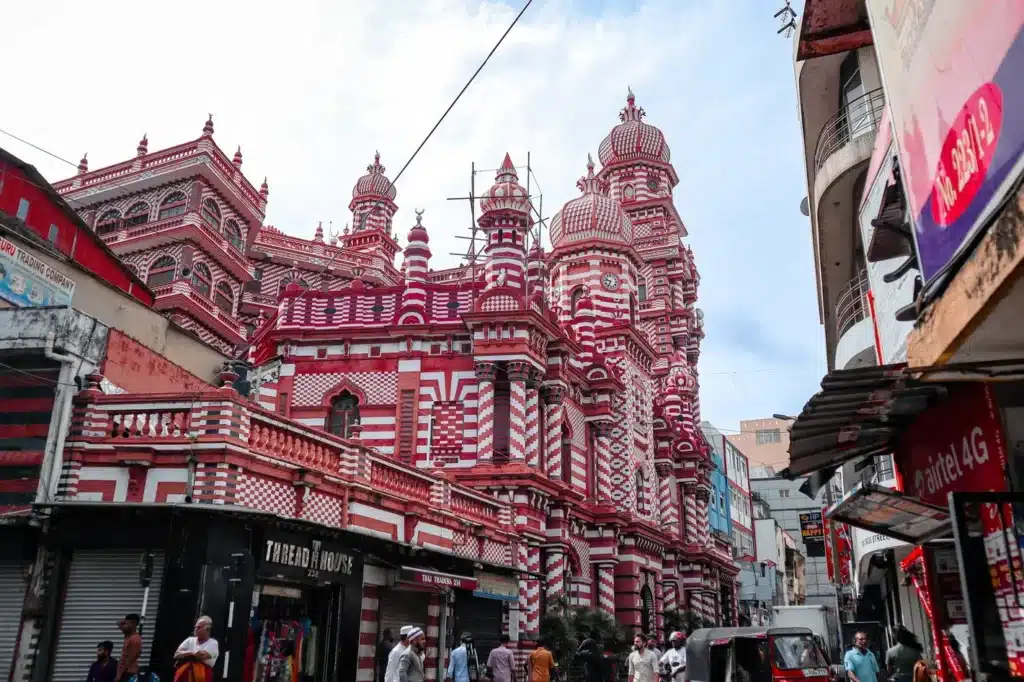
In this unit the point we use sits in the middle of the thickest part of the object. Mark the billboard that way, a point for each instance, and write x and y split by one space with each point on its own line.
811 527
26 281
950 73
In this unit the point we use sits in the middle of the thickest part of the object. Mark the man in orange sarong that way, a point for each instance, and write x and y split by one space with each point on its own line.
195 658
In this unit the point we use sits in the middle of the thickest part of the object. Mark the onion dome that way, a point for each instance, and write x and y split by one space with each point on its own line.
374 185
238 157
208 128
633 140
418 233
592 216
506 194
143 147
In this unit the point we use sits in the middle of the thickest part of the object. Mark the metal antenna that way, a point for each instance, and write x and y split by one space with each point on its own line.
788 18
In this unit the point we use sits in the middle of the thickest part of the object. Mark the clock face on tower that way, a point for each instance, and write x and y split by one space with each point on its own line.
610 282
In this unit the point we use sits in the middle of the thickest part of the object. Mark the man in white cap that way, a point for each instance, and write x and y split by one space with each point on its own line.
391 672
410 665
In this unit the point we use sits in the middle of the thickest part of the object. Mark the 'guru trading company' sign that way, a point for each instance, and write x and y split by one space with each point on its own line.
296 556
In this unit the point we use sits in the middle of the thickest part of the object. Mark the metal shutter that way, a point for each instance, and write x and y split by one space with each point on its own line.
12 596
481 618
103 586
401 607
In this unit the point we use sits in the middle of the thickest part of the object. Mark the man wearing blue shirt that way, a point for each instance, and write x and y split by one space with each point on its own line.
458 664
860 662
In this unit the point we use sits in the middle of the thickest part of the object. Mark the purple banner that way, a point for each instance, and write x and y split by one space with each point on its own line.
954 79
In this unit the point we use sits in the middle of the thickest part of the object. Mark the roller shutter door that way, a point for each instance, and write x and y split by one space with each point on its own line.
12 596
103 586
481 618
401 607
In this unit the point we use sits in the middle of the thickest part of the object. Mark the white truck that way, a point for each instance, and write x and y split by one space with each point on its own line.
821 620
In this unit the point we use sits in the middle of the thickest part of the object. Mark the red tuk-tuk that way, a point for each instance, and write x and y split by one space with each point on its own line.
755 655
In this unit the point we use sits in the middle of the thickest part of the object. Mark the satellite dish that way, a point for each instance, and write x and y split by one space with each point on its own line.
804 207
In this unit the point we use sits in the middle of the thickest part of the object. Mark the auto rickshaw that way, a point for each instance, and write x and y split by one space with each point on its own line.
755 655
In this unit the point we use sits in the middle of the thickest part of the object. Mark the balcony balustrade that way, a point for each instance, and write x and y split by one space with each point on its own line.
852 303
856 118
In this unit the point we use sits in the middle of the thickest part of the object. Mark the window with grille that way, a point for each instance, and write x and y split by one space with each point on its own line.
344 414
234 233
446 428
174 204
210 213
138 214
574 301
201 279
641 290
109 222
768 436
406 426
161 272
224 299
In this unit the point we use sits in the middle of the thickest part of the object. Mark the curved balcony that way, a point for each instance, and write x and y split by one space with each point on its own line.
855 334
856 119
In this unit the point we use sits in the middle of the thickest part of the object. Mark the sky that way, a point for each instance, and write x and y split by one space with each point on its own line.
311 89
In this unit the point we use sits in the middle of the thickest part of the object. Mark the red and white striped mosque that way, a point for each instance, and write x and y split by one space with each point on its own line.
558 386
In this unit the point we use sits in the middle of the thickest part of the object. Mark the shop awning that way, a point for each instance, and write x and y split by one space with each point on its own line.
428 578
889 512
858 413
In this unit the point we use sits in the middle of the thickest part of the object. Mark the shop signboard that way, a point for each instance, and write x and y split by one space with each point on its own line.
956 445
26 281
953 85
426 577
811 528
491 586
308 558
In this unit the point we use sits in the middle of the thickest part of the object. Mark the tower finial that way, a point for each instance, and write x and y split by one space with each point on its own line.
419 217
264 188
238 157
631 112
208 128
83 165
143 147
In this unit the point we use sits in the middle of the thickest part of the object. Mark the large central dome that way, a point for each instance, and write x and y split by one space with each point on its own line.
593 216
633 140
374 185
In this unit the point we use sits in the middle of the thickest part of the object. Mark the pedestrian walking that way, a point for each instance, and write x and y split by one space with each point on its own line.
592 655
131 649
104 668
501 662
458 662
860 662
410 664
643 664
541 663
196 656
901 658
673 661
391 672
384 647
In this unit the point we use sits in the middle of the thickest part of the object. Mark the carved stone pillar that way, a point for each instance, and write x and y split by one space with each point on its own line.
553 416
604 457
533 418
518 372
554 575
485 372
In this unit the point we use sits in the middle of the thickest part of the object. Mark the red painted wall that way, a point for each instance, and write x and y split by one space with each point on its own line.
74 240
137 369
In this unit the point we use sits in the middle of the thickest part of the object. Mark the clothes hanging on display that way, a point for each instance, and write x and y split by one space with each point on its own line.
283 643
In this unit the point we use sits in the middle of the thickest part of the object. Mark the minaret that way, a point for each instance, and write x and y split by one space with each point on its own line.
416 268
373 200
505 220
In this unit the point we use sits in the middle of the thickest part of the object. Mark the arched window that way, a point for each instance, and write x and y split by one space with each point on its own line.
109 222
632 309
172 205
344 414
211 214
233 233
138 214
224 299
574 300
566 454
201 279
641 289
639 480
161 272
647 611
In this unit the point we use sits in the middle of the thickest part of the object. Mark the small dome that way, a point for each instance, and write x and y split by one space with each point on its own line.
418 234
633 140
591 216
506 194
374 185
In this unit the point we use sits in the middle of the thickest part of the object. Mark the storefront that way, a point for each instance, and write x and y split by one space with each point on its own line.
481 612
951 506
296 628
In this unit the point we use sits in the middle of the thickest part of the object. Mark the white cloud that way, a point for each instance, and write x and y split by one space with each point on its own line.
311 88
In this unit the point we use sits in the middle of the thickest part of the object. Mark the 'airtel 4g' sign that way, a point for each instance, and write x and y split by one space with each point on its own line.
956 445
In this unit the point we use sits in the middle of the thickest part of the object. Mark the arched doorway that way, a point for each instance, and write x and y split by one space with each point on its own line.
647 609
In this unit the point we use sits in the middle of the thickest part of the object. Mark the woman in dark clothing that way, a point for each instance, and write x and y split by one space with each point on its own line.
900 659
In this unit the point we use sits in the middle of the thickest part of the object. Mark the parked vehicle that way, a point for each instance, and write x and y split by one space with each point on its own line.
821 620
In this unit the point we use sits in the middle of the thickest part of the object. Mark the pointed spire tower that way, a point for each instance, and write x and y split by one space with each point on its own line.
416 269
505 220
